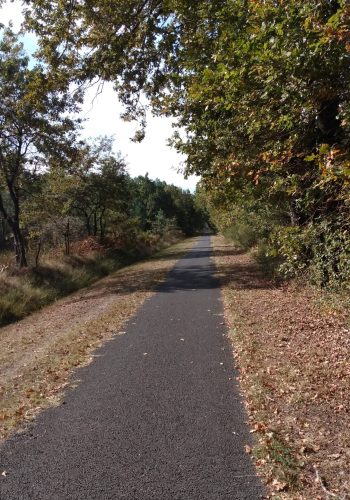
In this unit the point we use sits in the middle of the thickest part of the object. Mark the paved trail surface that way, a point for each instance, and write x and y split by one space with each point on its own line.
157 415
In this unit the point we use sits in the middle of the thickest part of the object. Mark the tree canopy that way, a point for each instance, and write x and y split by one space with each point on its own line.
34 125
260 92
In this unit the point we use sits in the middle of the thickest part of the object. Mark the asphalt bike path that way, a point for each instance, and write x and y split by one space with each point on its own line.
156 415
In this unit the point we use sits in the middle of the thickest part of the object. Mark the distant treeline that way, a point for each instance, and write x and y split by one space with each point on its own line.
97 198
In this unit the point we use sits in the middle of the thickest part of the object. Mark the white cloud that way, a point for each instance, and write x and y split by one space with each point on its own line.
152 155
11 11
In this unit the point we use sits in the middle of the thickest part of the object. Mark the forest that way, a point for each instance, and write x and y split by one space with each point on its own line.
260 95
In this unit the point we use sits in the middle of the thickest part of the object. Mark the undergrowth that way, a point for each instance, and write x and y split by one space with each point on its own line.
25 291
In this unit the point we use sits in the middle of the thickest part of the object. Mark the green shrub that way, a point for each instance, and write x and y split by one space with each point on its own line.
242 234
320 251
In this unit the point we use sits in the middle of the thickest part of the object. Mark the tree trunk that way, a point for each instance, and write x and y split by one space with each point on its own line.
87 224
19 245
102 224
37 255
95 223
18 240
67 239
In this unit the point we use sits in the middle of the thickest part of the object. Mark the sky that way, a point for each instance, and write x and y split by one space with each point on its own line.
102 117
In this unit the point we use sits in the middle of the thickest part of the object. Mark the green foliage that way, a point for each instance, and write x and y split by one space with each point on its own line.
34 125
161 224
243 234
260 91
57 191
321 249
157 204
52 184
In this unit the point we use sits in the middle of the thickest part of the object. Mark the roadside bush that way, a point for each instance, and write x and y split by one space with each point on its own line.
320 251
330 265
242 234
248 227
267 257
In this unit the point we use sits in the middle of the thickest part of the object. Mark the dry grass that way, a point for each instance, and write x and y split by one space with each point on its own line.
39 353
27 290
23 291
294 361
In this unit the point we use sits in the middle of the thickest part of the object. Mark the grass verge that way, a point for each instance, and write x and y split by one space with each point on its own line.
294 363
39 353
25 291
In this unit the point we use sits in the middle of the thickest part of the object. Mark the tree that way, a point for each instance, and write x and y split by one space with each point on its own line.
154 202
144 203
243 77
33 126
260 90
100 190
